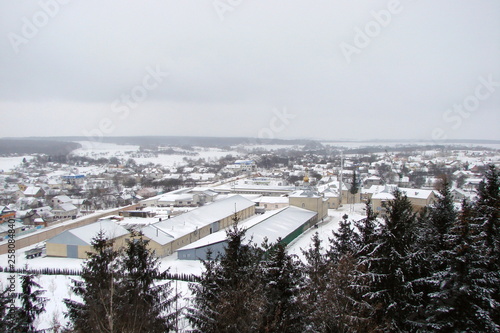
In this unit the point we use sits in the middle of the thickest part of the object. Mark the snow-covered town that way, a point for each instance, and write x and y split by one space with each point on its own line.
184 202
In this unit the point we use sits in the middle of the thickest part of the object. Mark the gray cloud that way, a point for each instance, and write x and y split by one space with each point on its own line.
226 76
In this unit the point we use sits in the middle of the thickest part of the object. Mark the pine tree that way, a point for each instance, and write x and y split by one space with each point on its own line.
354 187
463 301
367 229
281 279
203 314
390 269
487 214
344 241
145 306
328 297
99 311
435 243
231 298
5 300
32 305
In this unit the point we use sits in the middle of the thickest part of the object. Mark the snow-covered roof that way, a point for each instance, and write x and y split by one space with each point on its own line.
272 200
84 235
309 193
32 190
383 196
416 193
63 198
200 217
175 197
272 224
67 207
157 235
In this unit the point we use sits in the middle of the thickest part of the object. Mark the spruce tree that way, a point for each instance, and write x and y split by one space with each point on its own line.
390 269
233 287
367 229
5 301
435 242
145 305
464 301
487 215
32 305
99 310
203 313
344 241
281 279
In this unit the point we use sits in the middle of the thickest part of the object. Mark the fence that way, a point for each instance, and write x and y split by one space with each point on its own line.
75 272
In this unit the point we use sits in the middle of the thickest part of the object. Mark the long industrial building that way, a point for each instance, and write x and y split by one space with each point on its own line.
287 223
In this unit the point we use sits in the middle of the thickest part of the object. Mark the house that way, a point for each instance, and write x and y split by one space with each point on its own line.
152 173
65 211
34 191
419 198
331 195
73 179
459 195
286 223
6 214
243 165
309 198
75 243
372 180
6 229
271 203
60 199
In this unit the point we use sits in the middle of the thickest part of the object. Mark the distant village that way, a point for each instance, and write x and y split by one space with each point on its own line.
59 203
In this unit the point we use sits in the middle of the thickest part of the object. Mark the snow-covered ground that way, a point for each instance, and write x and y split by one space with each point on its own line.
107 150
9 163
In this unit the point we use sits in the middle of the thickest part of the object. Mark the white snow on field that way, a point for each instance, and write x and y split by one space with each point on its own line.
9 163
107 150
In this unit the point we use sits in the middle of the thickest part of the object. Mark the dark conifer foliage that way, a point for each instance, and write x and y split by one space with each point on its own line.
145 306
281 280
203 314
463 301
32 305
344 242
233 287
119 291
4 310
98 311
487 214
367 231
391 269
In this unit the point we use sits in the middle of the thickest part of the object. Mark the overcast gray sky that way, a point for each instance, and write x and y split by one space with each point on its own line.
287 69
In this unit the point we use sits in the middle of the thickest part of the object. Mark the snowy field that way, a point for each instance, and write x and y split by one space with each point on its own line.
57 287
107 150
9 163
